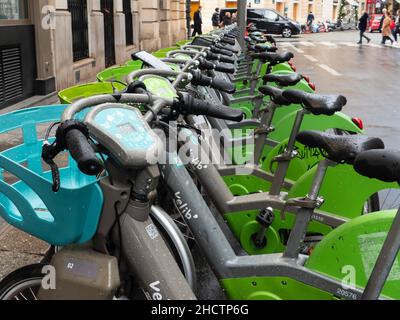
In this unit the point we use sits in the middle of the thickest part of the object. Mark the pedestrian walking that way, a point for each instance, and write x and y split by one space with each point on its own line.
226 20
234 18
384 10
396 29
362 26
198 22
215 19
310 19
386 31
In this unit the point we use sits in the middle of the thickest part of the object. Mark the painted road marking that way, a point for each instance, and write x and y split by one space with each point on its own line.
307 43
349 44
329 69
328 43
311 58
374 45
296 49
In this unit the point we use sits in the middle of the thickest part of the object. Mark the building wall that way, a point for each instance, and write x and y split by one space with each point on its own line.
156 24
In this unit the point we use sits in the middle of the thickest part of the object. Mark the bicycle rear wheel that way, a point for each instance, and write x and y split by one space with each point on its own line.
22 284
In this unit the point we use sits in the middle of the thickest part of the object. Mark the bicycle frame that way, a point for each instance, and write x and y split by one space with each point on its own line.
220 254
141 246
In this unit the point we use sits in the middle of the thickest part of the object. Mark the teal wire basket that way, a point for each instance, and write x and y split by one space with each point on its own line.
27 201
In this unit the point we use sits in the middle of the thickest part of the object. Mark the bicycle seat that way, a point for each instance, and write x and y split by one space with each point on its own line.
276 58
339 148
379 164
283 79
275 94
315 103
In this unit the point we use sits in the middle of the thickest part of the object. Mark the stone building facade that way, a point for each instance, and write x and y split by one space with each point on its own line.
59 43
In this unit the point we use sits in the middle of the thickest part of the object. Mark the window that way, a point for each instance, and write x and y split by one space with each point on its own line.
11 83
80 37
128 22
13 9
255 13
270 15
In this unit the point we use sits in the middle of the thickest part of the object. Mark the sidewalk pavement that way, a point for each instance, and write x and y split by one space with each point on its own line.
17 248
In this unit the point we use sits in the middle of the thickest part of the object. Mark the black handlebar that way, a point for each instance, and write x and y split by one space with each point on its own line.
221 51
225 68
229 41
187 105
222 58
82 152
215 83
222 85
220 67
224 47
205 65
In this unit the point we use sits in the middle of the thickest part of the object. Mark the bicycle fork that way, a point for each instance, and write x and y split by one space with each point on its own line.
145 250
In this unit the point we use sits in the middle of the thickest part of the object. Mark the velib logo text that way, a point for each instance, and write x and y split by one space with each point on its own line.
49 17
49 279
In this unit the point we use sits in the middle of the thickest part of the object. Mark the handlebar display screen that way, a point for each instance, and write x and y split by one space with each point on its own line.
125 134
151 60
127 128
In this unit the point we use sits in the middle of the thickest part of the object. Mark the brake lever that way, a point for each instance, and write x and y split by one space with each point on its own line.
49 152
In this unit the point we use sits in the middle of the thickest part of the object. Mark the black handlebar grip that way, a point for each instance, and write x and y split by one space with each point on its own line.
212 56
200 41
200 107
231 35
199 79
222 85
227 48
229 41
223 112
221 51
83 153
205 65
227 59
225 68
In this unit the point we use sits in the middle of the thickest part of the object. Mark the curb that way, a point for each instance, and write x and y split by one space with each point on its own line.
32 102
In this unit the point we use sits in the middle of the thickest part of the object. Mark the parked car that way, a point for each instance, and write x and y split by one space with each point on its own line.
375 22
269 21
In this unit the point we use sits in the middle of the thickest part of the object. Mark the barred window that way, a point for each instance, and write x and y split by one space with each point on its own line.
80 35
13 9
128 22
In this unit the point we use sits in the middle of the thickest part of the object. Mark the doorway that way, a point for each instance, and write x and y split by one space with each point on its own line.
107 7
295 11
279 7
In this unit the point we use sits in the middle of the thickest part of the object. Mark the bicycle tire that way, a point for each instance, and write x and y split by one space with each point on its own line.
27 278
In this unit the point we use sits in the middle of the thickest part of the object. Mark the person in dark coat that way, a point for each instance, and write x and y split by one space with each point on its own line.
215 19
198 22
226 20
383 18
362 26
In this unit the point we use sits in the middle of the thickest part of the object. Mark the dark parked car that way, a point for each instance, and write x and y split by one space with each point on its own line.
270 21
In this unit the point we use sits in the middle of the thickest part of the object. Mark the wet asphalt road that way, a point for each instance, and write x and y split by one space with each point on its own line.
368 75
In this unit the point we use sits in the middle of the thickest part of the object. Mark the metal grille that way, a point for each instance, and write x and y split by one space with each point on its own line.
80 35
128 22
10 74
